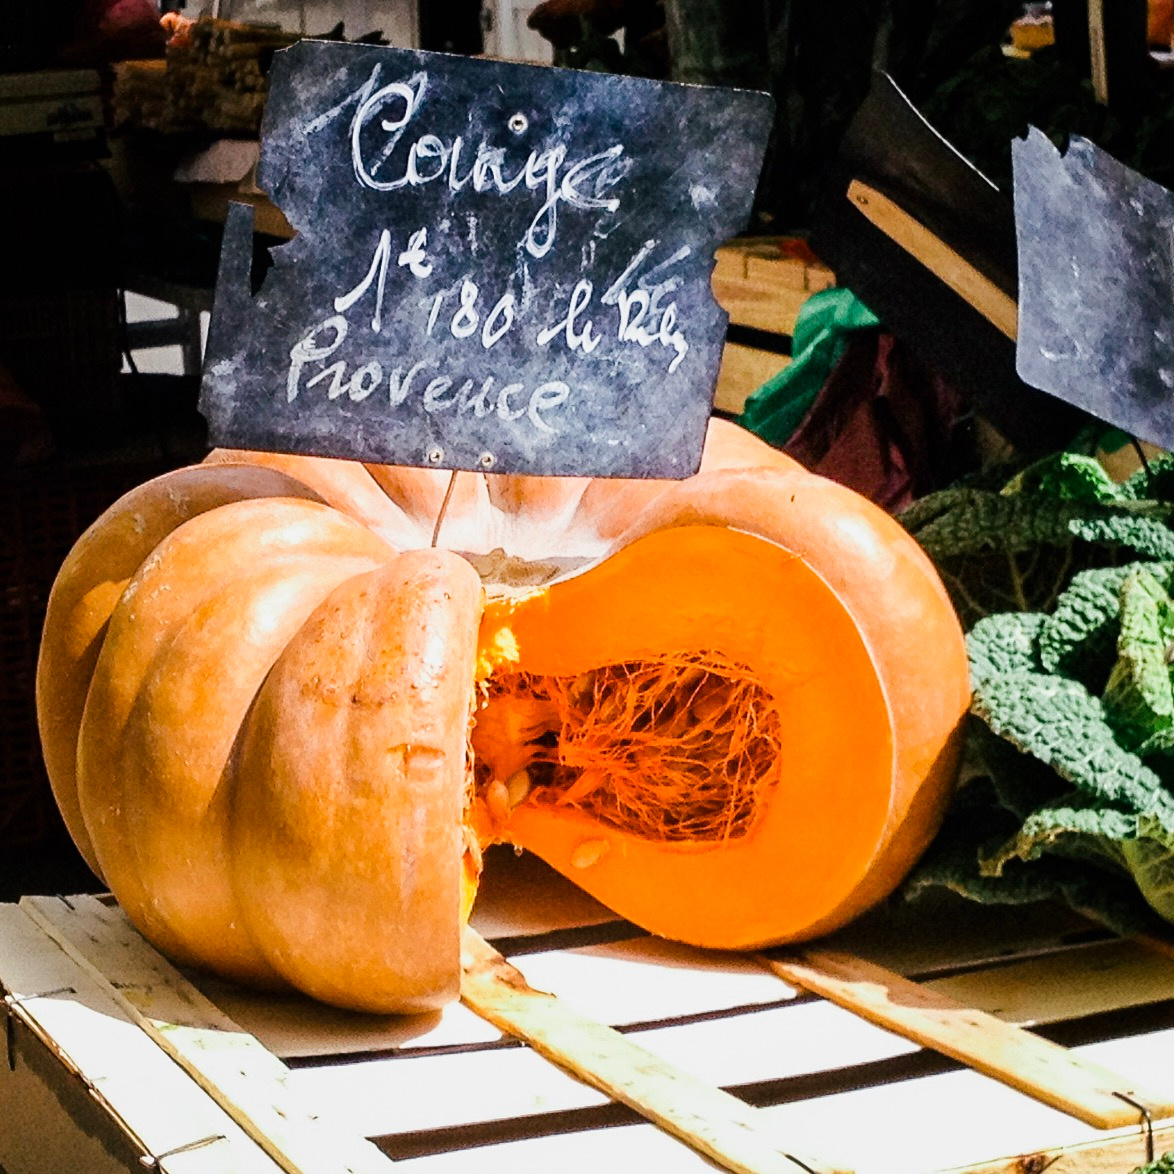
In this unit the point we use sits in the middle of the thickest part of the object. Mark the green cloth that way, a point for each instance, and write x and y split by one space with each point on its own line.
825 321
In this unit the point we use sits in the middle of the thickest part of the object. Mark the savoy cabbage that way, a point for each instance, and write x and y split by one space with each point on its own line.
1064 580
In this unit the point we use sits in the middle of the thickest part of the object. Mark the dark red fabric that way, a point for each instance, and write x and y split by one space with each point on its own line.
24 435
114 30
885 425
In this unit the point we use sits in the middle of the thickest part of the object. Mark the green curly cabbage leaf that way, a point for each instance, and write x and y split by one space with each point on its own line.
1064 579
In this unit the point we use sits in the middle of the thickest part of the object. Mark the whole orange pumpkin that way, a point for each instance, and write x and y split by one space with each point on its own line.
283 709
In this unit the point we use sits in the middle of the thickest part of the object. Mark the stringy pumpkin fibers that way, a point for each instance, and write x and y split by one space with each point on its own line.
678 749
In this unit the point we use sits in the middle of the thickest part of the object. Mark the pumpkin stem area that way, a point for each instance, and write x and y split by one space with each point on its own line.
682 748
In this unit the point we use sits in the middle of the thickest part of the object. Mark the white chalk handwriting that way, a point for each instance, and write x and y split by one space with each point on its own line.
583 183
358 381
392 148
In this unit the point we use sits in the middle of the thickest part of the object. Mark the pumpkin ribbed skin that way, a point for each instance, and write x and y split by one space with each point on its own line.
257 683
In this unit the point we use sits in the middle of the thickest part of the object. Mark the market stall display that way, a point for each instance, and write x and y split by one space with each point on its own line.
297 710
210 80
648 720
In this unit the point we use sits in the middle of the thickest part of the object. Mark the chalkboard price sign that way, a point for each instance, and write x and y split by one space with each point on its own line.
1096 284
497 267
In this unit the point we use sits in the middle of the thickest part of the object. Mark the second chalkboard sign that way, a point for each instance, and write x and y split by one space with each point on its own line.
497 267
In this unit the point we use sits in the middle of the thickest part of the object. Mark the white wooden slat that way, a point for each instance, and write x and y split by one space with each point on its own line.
706 1118
295 1027
151 1097
250 1083
1002 1050
406 1094
434 1092
621 1149
142 977
637 981
955 1119
770 1043
497 1082
648 979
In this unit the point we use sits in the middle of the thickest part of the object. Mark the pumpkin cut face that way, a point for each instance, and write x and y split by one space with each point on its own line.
284 711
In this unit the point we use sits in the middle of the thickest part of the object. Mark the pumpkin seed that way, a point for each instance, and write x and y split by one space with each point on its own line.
588 852
518 787
582 687
497 799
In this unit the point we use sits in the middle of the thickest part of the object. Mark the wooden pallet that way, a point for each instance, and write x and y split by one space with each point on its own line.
761 283
646 1052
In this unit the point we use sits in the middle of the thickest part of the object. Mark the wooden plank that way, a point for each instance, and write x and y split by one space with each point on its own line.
1108 1155
140 1091
650 980
938 1121
759 305
748 1040
748 1036
450 1090
777 262
814 1037
771 267
709 1120
246 1080
1046 1071
1066 984
892 1118
941 260
1098 63
888 1130
742 372
1159 945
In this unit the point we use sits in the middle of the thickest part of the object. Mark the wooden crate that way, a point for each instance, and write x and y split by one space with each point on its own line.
97 1020
761 283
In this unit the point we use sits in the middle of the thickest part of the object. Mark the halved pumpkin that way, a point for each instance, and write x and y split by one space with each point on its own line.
283 710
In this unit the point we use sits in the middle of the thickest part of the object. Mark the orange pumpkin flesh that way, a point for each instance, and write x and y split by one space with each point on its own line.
726 590
727 707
